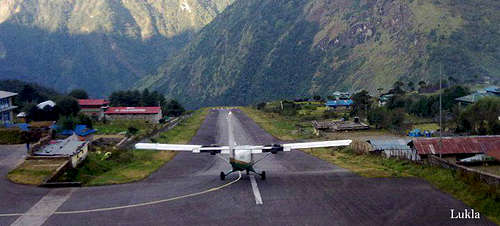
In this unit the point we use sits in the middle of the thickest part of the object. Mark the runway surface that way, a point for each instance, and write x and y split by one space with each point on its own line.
299 190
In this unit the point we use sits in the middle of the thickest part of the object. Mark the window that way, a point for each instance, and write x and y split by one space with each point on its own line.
5 117
4 103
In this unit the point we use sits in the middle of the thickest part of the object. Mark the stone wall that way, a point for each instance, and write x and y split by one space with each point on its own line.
153 118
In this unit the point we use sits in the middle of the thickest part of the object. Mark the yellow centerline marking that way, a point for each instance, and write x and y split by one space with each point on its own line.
136 205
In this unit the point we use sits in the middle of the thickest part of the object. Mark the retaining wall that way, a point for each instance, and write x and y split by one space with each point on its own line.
484 177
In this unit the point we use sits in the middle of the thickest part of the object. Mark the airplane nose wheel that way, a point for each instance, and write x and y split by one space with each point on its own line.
222 176
263 175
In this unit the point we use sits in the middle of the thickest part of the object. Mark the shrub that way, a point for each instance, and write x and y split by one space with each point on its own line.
132 130
11 136
122 156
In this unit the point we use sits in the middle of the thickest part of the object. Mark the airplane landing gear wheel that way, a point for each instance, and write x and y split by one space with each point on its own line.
222 176
263 175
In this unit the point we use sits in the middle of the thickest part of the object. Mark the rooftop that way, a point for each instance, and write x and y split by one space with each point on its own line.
93 102
5 94
458 145
133 110
67 147
390 144
493 89
339 103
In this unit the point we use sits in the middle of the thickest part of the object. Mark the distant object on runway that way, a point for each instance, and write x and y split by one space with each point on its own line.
242 158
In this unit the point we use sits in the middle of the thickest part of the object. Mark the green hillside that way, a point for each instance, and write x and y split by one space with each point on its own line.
99 45
268 49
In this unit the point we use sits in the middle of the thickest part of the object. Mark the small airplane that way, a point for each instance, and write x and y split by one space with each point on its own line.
241 158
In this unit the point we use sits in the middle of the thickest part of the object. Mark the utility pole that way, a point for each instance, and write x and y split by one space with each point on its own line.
440 109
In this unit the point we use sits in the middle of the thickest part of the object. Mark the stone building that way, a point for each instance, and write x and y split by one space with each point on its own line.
6 107
94 108
150 114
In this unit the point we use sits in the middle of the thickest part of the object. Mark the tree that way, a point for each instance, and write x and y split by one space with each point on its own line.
411 86
481 118
422 85
147 99
379 117
28 94
173 109
398 87
79 94
67 123
67 106
362 103
85 120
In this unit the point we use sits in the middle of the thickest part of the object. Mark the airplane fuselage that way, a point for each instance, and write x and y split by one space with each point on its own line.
241 160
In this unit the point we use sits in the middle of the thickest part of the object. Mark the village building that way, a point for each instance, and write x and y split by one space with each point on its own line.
385 98
492 91
457 148
397 148
339 104
7 107
341 95
70 148
93 108
150 114
338 125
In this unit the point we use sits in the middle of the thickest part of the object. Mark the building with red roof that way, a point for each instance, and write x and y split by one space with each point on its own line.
94 108
151 114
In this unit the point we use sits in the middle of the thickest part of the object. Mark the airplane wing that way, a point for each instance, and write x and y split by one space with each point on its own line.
320 144
275 148
288 147
183 147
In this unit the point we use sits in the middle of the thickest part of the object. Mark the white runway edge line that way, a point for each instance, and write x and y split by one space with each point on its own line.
137 205
256 192
43 209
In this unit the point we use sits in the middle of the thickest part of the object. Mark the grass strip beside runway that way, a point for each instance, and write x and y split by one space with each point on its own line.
125 166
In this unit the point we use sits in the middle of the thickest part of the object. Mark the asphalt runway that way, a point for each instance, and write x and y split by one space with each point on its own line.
299 190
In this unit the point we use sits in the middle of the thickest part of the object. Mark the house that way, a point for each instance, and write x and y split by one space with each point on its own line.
384 99
492 91
339 104
457 147
394 148
336 126
6 107
93 108
71 148
150 114
341 95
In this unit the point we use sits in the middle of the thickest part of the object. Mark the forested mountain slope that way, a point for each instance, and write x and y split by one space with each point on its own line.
269 49
99 45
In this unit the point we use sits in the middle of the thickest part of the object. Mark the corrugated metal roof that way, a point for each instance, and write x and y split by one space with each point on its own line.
5 94
67 147
472 98
458 145
93 102
391 144
495 153
335 103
